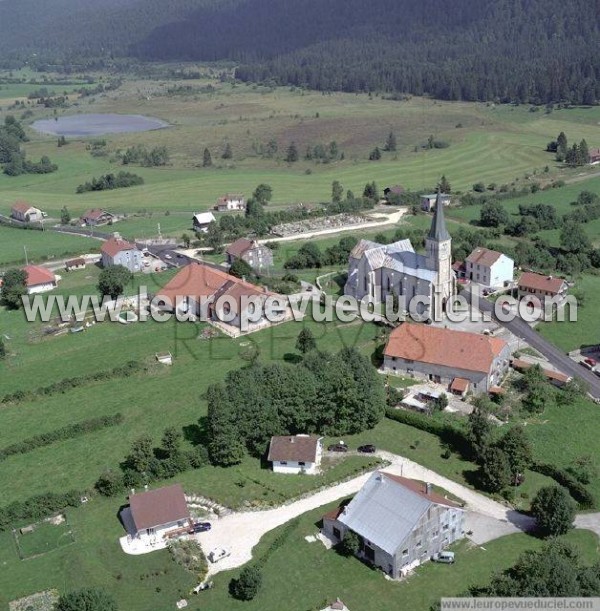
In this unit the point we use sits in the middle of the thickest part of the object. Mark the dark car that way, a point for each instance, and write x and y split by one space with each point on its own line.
369 448
201 527
337 447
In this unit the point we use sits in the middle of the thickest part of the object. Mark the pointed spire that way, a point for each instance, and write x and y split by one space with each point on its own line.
438 229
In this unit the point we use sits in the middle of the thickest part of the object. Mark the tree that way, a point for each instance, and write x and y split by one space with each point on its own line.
86 599
370 191
291 154
337 192
350 544
306 341
206 159
553 510
171 441
263 193
479 432
584 153
214 237
109 483
227 153
186 240
65 216
517 448
493 214
495 469
241 269
375 154
141 454
225 446
444 185
14 286
561 147
540 395
247 585
573 238
2 349
440 403
390 143
113 280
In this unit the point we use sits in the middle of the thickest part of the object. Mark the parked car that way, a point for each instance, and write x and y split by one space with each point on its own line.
205 585
218 554
590 362
368 448
200 527
586 364
168 256
337 447
445 557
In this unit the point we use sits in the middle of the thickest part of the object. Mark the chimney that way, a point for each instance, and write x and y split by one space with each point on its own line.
116 235
427 488
292 440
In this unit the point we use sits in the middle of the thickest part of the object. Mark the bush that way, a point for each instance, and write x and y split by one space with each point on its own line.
577 490
350 544
37 507
554 511
247 585
86 599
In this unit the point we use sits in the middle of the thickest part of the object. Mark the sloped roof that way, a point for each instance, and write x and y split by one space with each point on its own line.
22 207
75 262
203 218
438 229
239 247
113 246
158 507
38 275
436 346
484 256
387 508
298 448
459 384
95 213
537 282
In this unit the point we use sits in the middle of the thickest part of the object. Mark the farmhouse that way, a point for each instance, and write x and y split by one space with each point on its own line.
202 220
256 255
295 454
214 295
230 202
400 522
443 355
157 514
39 279
428 201
72 264
377 271
26 213
117 251
542 287
392 194
594 156
489 268
96 216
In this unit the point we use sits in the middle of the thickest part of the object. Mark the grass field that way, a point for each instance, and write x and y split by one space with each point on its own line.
45 538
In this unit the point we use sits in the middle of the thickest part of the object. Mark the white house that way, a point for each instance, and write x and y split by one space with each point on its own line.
295 454
156 515
26 213
489 268
117 251
231 202
543 287
202 220
39 279
428 201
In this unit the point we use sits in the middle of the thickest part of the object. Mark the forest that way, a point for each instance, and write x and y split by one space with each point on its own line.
523 51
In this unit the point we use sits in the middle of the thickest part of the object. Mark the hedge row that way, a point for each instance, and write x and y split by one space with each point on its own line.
37 507
281 538
66 384
66 432
577 490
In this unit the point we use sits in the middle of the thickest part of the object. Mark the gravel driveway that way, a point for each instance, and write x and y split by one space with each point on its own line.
240 532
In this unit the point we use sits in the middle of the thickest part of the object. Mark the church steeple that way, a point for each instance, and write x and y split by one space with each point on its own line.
438 231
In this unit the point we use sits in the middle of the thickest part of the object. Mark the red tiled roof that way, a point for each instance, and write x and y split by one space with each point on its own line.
484 256
333 514
199 280
420 488
158 507
294 448
38 275
239 247
497 390
594 153
537 282
114 246
94 214
457 349
460 384
458 266
522 365
75 262
22 207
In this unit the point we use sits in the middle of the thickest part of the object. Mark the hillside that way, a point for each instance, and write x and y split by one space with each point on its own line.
527 51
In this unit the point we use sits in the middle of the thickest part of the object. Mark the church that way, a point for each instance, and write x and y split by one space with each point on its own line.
381 270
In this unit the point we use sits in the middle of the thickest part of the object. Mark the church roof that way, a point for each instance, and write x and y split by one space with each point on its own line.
438 229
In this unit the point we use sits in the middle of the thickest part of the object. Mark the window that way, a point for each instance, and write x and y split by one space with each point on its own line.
302 463
405 552
336 533
283 462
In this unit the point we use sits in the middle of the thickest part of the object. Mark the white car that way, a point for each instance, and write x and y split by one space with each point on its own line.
218 554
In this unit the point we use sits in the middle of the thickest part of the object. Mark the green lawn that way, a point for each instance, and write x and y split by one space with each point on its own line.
45 538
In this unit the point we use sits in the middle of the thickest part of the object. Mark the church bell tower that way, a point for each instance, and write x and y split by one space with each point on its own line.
439 258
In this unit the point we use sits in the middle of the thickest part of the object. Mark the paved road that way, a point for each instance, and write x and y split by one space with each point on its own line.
558 358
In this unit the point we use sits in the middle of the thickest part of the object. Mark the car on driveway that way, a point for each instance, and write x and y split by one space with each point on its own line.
200 527
337 447
444 557
218 554
368 448
168 256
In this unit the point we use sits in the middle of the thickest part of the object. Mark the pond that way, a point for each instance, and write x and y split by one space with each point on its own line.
97 125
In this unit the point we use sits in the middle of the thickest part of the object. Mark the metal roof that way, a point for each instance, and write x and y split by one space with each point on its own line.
438 229
384 512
